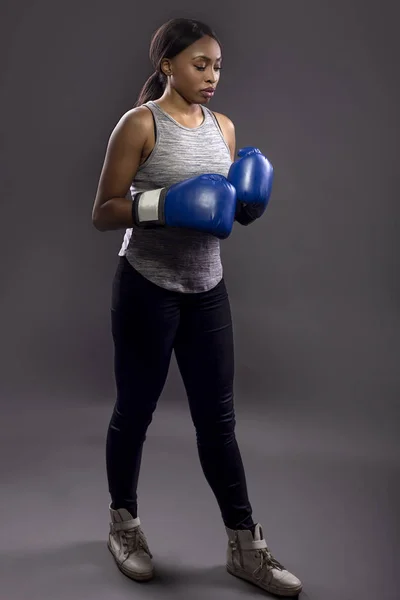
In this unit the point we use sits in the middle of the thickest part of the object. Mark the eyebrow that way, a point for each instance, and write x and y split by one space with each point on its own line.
206 57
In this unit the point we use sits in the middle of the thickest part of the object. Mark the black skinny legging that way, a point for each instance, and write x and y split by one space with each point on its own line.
148 323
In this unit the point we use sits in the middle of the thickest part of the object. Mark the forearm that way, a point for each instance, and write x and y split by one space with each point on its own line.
114 214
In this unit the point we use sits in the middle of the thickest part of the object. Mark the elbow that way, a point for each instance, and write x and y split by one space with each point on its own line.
97 224
95 221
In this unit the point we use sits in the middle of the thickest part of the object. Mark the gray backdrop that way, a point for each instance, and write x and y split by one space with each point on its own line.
314 284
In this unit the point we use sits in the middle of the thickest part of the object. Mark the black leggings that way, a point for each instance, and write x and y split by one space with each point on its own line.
148 323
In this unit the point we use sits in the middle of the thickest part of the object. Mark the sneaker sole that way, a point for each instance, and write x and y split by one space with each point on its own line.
271 589
134 576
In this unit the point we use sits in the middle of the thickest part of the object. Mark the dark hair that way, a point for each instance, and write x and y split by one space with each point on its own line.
169 40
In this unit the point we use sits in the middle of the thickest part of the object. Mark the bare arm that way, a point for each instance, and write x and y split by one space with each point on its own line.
111 209
228 130
245 214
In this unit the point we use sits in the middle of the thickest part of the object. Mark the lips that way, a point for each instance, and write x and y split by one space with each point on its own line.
209 90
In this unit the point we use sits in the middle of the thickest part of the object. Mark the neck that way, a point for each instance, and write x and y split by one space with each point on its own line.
177 104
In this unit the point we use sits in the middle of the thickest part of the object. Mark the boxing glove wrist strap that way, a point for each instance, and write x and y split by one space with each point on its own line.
248 213
148 208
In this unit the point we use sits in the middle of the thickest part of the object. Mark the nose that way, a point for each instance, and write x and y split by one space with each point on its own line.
212 77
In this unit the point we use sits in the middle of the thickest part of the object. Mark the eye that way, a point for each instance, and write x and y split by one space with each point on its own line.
204 68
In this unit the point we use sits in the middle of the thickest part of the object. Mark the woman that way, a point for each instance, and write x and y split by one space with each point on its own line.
169 294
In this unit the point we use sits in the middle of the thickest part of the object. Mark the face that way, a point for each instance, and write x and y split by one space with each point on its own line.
195 69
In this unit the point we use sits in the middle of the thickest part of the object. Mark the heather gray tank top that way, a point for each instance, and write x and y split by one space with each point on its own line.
175 258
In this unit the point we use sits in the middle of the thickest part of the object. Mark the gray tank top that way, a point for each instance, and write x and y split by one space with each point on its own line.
174 258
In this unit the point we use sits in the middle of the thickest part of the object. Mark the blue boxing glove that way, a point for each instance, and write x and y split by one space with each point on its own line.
204 203
252 176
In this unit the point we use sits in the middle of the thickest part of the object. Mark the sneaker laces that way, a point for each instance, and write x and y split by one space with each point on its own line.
134 539
268 561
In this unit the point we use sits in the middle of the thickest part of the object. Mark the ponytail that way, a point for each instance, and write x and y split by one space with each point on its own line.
152 89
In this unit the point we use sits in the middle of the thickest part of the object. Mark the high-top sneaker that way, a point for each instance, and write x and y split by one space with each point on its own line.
128 544
249 558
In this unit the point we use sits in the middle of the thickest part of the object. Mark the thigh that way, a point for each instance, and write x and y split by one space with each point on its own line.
204 351
144 319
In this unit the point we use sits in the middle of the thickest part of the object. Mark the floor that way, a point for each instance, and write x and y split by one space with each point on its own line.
324 490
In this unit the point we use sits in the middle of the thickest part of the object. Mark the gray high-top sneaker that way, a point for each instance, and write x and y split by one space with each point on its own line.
250 558
128 544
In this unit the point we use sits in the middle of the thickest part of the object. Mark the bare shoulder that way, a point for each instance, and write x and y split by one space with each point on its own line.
136 120
225 121
228 130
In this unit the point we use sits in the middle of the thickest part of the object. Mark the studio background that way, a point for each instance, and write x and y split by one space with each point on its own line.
314 287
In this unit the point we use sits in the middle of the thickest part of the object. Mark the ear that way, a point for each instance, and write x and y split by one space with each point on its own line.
165 66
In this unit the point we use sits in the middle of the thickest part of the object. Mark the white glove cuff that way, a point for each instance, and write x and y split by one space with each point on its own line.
148 208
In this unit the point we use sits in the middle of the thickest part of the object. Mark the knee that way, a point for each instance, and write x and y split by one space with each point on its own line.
131 417
216 432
